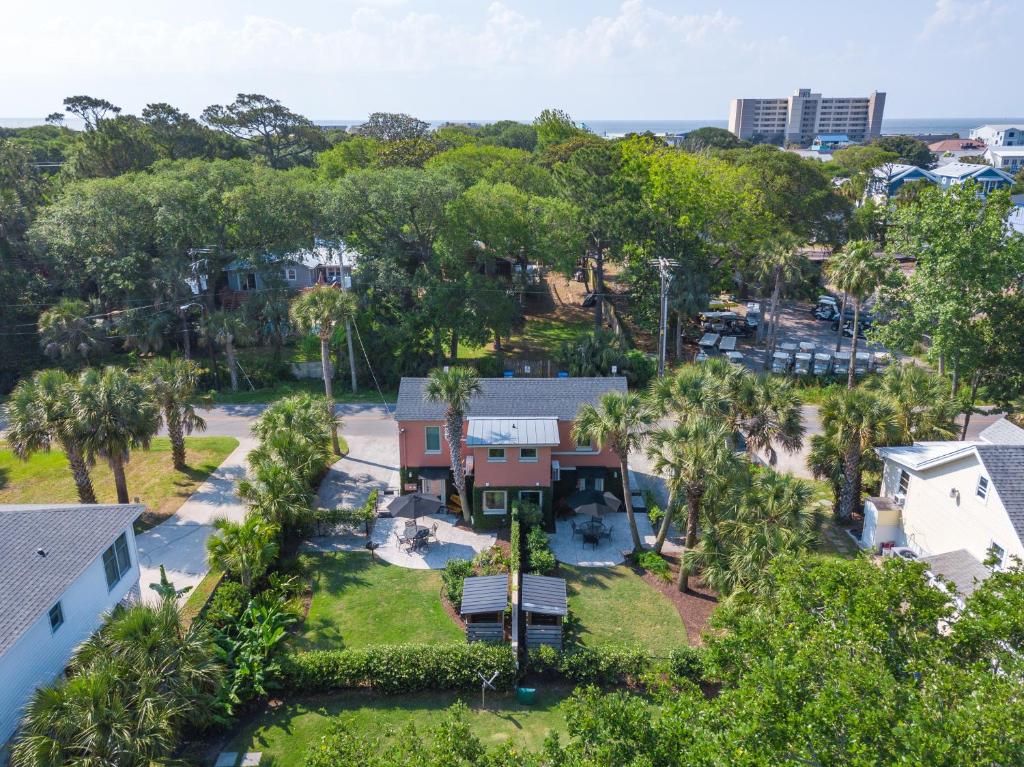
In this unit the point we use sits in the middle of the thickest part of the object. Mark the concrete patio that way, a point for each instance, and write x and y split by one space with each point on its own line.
570 548
451 542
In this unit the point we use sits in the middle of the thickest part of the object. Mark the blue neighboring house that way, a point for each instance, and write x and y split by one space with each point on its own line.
829 142
987 178
331 264
888 179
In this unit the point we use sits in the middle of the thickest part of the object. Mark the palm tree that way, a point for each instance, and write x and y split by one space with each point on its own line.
858 273
277 495
117 413
321 310
708 389
621 421
302 414
825 460
39 414
769 411
782 267
857 420
695 458
95 718
226 329
144 331
173 382
454 387
925 406
771 518
244 550
70 329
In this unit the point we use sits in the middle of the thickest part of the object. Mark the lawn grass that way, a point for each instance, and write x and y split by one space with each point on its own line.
359 602
45 477
246 396
614 605
546 334
284 734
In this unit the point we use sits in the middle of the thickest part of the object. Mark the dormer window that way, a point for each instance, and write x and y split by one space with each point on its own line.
982 489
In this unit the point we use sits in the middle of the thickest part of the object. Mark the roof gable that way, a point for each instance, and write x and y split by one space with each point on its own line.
71 535
1004 465
510 398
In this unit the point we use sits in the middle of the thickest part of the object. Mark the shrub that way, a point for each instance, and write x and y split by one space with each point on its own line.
606 665
490 561
539 558
227 605
455 571
530 514
687 663
516 545
653 563
394 669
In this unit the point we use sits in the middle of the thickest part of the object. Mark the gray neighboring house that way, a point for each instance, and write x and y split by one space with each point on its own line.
331 264
62 568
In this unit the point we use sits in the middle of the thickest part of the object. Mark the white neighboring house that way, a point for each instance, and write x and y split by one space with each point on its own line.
1009 159
952 503
62 567
999 135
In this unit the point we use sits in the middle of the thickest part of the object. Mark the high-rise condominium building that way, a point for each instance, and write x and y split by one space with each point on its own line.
804 115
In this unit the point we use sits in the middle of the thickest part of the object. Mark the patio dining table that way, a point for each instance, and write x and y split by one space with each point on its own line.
418 534
592 531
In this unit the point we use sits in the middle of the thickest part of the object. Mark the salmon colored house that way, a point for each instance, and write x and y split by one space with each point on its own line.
516 439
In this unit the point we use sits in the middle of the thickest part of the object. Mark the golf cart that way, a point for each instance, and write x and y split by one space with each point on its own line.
802 364
880 361
736 358
706 346
753 315
781 362
862 363
827 308
841 365
822 363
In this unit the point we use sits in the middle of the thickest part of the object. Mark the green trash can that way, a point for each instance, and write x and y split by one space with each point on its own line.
526 695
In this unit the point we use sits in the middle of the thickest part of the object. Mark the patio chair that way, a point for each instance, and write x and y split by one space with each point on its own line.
575 530
405 542
433 530
607 532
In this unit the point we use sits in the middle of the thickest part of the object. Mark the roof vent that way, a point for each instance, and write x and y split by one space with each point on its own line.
40 552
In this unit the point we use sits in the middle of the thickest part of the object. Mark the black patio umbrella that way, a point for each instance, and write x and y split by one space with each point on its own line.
594 503
415 505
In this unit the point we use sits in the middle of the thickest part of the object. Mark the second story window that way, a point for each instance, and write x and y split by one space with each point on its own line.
56 617
433 439
116 561
528 454
904 483
496 454
982 489
584 445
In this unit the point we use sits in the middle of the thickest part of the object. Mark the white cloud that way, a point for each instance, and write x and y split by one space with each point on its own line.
965 15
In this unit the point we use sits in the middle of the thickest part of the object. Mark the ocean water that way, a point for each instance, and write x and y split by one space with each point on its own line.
931 126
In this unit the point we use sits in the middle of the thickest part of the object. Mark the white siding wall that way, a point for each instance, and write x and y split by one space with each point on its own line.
933 523
41 655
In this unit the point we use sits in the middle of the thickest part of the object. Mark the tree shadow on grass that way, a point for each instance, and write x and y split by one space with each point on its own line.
5 475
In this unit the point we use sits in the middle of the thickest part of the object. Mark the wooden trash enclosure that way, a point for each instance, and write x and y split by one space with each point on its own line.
545 606
484 600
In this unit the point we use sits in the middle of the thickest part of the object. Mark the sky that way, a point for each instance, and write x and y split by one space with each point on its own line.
458 59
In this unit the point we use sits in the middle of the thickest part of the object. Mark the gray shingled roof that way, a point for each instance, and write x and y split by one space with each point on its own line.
1005 467
511 397
960 568
72 536
1002 432
484 594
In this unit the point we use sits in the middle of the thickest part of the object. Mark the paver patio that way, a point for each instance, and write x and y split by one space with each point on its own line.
451 542
570 548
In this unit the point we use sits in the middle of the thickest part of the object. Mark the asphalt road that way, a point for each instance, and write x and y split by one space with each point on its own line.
364 420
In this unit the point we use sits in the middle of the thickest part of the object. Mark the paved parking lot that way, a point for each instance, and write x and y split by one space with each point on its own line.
796 324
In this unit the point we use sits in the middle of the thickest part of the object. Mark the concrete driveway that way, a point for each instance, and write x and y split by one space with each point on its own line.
179 543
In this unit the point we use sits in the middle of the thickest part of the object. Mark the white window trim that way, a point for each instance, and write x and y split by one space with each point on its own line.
426 449
49 615
524 459
504 455
977 488
588 449
290 274
494 512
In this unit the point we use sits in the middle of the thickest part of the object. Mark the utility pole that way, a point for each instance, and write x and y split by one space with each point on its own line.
664 265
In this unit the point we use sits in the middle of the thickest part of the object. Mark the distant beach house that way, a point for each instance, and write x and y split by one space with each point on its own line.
987 178
62 568
517 441
888 179
331 264
999 135
1009 159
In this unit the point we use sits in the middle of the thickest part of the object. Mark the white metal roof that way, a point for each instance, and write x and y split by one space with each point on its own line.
708 339
727 344
512 431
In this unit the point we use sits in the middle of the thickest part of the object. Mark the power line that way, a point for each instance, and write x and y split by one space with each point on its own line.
369 367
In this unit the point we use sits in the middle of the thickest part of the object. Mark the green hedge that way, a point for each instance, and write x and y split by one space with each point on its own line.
393 669
612 664
515 538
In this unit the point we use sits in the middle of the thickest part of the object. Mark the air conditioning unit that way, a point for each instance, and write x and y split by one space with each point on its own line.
900 499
